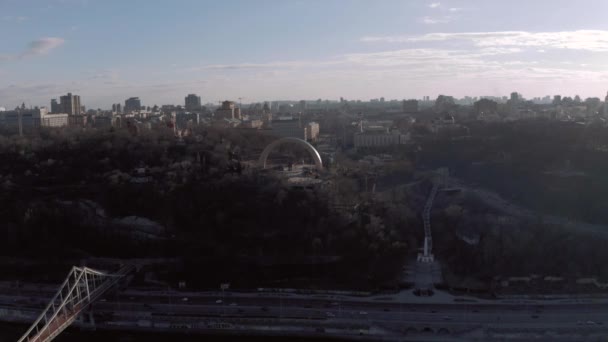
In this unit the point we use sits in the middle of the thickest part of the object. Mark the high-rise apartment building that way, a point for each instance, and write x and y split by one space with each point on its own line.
55 107
557 99
311 131
132 104
116 108
70 104
228 110
193 102
515 97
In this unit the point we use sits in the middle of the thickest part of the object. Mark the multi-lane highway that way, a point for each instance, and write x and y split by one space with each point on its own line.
387 317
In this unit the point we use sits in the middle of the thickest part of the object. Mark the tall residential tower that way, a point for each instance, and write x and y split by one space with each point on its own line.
132 104
193 102
70 104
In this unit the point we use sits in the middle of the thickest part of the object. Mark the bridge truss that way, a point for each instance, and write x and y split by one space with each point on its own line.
82 286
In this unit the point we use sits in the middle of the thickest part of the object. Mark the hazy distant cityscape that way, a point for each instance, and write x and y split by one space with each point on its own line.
70 111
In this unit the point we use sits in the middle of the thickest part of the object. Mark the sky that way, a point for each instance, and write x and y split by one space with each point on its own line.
109 50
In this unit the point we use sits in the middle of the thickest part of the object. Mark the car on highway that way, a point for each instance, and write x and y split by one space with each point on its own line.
233 304
362 313
330 314
185 299
219 301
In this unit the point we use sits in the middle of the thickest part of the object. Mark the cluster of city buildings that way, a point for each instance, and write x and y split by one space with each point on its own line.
516 107
378 133
378 122
69 111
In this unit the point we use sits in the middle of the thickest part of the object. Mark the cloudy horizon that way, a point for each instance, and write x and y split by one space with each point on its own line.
107 51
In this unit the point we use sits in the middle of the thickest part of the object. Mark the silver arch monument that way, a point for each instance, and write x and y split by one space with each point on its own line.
311 150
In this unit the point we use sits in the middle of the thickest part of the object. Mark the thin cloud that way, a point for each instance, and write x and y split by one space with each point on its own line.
501 56
435 5
421 61
435 20
42 46
241 66
432 57
490 63
589 40
256 66
35 48
103 74
403 58
17 19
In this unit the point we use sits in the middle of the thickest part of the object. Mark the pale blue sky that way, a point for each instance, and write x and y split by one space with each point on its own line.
109 50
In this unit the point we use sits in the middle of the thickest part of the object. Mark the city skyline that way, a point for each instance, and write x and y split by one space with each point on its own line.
299 50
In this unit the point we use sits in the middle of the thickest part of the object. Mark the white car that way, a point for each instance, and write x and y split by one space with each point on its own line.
185 299
233 304
219 301
330 314
362 313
